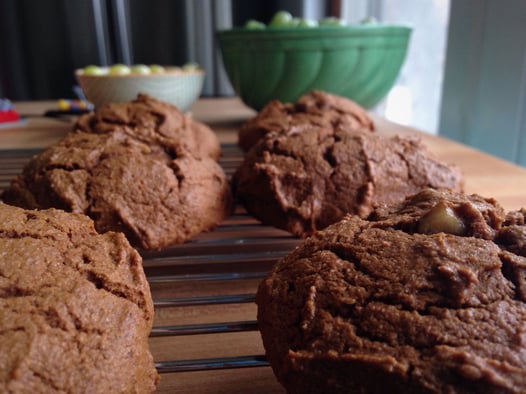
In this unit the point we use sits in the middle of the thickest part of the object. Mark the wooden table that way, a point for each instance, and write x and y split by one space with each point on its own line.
231 260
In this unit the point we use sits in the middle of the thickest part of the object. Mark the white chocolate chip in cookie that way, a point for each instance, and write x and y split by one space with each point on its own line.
441 218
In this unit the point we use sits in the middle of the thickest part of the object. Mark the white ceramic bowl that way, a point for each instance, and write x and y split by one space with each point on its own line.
175 86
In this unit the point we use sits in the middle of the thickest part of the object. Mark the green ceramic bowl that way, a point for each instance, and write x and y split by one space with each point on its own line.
360 62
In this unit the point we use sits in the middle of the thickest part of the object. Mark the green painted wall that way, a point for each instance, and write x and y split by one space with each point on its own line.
484 92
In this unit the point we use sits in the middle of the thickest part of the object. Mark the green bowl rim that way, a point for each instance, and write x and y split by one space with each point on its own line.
315 32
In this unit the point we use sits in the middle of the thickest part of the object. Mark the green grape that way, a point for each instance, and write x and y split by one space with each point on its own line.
331 21
140 69
253 24
294 22
119 69
93 70
280 19
156 69
190 66
371 20
307 23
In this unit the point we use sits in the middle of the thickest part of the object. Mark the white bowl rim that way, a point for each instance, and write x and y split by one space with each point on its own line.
169 72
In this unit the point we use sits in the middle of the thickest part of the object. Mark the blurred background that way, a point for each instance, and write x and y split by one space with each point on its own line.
464 76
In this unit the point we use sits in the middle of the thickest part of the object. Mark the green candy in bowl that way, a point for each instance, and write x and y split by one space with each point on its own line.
282 62
179 86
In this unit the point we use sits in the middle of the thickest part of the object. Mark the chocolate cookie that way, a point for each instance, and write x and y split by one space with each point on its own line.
303 182
153 121
316 109
157 196
419 298
75 307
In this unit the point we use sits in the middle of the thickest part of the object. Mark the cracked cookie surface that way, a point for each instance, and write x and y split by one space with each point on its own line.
316 109
75 307
374 305
153 122
141 181
303 182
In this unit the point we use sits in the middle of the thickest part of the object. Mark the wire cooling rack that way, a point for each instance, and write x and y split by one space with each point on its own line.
203 290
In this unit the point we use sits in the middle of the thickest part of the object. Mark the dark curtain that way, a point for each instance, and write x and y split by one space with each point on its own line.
259 10
158 31
41 43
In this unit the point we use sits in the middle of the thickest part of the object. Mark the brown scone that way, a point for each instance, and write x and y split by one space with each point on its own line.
316 109
75 307
154 122
304 182
417 299
155 196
